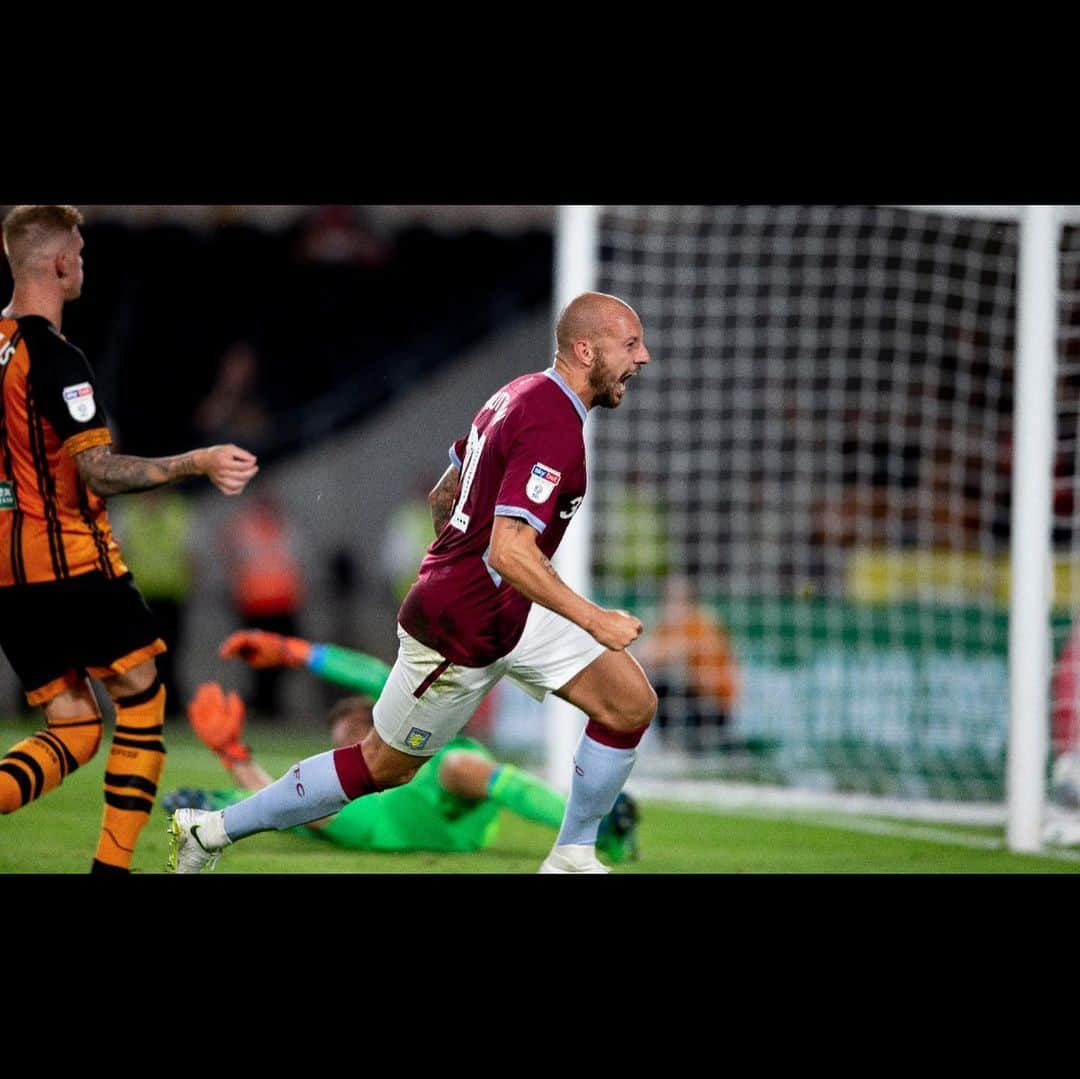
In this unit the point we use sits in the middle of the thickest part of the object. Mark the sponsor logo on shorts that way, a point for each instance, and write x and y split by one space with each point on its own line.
7 496
80 401
542 481
417 739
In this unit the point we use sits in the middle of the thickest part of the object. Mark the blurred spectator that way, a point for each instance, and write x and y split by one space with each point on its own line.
409 533
634 552
928 479
156 530
341 235
693 669
235 409
1065 728
344 582
266 580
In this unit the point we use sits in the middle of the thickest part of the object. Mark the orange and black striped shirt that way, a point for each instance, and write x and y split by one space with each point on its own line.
52 526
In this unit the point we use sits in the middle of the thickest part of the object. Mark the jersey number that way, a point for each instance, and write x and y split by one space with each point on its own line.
473 448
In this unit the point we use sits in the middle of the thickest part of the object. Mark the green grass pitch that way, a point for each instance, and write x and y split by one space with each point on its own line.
58 834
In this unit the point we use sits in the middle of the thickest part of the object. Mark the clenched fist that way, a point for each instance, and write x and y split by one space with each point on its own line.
229 468
616 629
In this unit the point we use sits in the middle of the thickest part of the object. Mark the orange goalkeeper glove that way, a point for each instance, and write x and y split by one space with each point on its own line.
258 648
218 720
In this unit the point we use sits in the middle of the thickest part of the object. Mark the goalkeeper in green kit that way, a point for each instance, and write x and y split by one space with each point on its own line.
453 802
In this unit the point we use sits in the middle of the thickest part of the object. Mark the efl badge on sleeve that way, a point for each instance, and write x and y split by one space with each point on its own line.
542 481
80 401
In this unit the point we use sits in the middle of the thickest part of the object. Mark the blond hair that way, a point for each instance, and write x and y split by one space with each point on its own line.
29 229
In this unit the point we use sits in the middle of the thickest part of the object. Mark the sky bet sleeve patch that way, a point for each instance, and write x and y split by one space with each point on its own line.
542 481
80 401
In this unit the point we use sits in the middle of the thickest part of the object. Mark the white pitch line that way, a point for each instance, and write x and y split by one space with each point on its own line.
920 833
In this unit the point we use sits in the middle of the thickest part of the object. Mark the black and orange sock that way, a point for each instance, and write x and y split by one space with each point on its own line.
40 763
136 760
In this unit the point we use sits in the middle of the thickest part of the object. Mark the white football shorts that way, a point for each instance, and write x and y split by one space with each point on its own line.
426 701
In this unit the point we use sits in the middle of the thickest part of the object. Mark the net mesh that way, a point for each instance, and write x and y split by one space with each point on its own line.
806 496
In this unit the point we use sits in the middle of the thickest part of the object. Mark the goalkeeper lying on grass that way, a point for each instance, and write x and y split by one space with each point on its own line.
453 802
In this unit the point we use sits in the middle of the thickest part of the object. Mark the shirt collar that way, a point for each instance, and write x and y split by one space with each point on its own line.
576 401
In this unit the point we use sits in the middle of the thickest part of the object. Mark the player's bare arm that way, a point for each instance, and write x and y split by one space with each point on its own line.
441 498
106 473
515 556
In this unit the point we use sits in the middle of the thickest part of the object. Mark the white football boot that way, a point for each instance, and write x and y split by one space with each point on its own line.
573 858
196 839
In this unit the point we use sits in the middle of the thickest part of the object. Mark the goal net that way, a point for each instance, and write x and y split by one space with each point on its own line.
806 497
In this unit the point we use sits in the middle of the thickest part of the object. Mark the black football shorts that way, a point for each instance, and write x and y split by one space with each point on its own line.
57 632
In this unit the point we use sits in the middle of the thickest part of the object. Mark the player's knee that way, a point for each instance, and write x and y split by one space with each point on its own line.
138 680
73 720
647 706
635 712
386 766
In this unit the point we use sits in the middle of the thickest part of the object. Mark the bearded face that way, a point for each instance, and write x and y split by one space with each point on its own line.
606 382
618 353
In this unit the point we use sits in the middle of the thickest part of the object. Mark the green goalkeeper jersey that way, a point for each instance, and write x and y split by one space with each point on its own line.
417 816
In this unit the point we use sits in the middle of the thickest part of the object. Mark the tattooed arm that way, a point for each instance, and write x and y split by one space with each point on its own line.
514 555
441 498
106 473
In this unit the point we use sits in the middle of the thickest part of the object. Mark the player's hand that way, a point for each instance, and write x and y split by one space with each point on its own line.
260 649
217 718
616 629
228 467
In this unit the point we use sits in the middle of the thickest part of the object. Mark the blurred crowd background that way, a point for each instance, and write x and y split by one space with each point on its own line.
277 325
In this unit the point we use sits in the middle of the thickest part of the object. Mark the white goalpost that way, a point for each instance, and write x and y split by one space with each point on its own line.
576 261
1030 594
855 456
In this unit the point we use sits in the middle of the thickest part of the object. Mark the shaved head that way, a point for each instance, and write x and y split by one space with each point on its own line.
599 347
35 234
590 315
